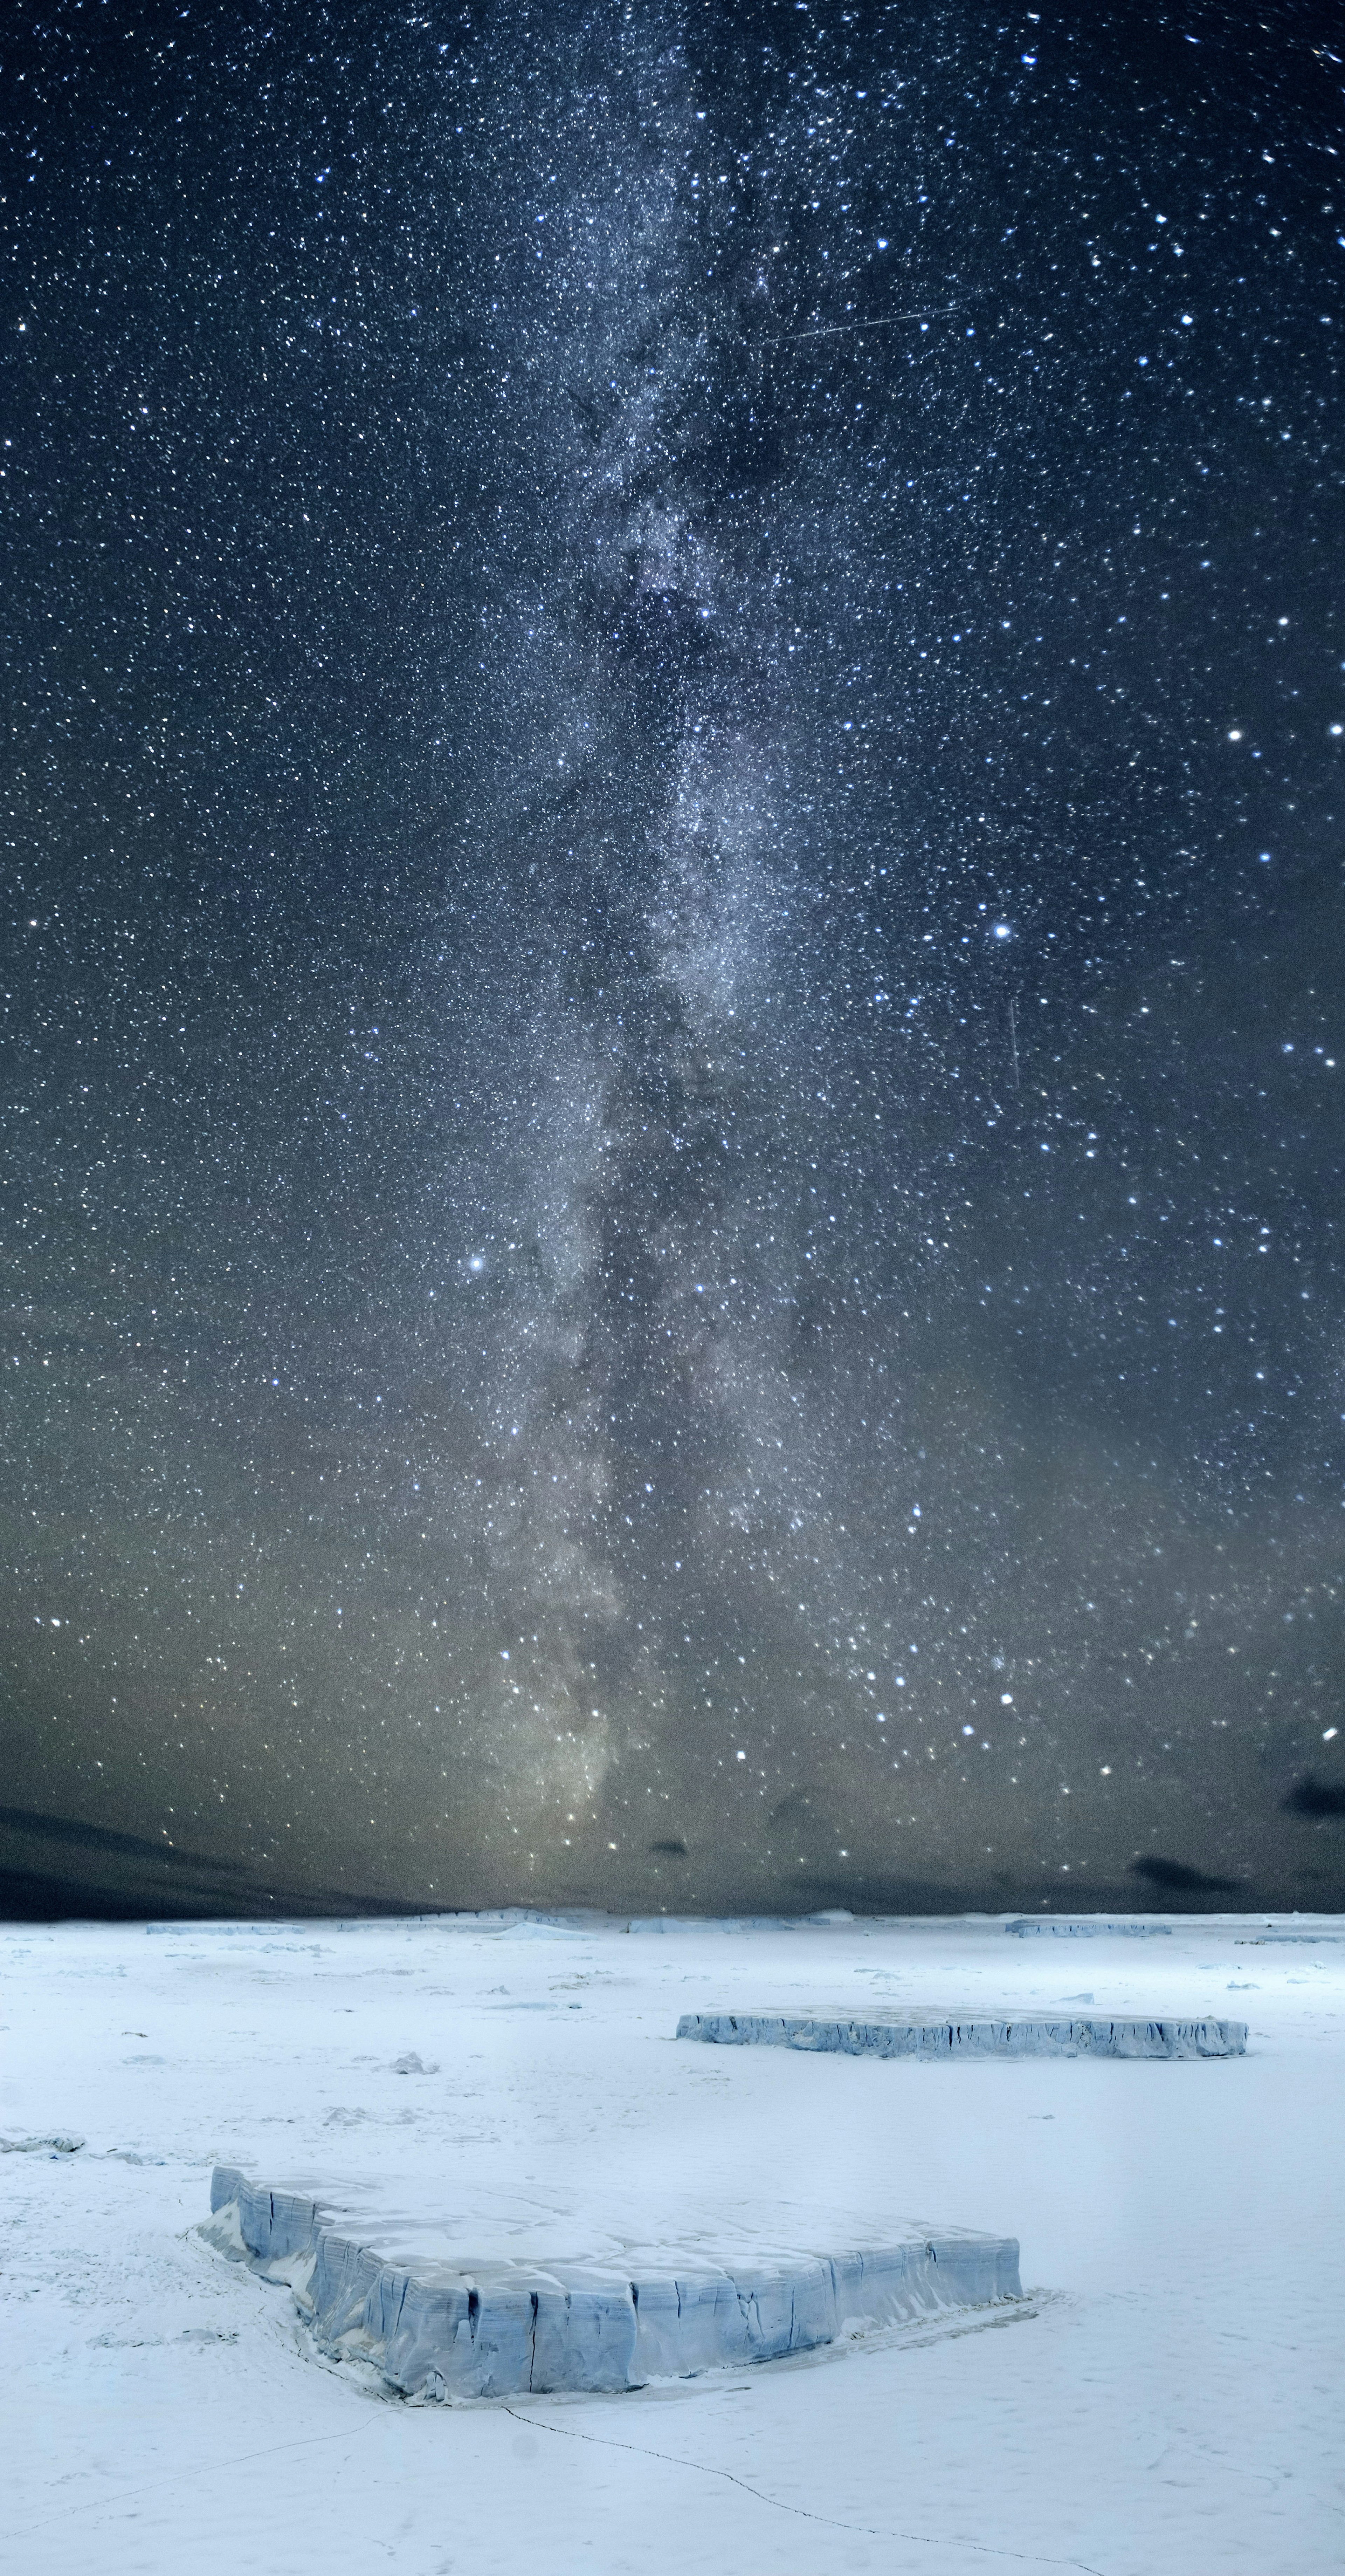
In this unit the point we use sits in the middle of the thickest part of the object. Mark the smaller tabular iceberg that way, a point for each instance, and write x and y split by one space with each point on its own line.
938 2036
457 2329
1092 1928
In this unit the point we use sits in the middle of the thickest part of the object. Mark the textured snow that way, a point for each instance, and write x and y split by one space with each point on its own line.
939 2036
1164 2397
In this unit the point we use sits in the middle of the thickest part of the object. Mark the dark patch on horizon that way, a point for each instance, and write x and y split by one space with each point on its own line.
1314 1797
1177 1876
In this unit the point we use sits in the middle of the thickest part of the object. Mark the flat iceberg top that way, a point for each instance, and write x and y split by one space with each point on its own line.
413 2218
891 2030
496 2245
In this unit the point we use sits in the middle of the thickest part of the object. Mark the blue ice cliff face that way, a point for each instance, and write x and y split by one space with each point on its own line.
930 2035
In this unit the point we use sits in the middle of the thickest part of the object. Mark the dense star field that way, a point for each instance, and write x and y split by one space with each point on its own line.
673 993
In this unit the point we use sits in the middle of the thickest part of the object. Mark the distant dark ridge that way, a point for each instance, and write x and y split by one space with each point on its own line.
103 1838
153 1882
30 1896
26 1896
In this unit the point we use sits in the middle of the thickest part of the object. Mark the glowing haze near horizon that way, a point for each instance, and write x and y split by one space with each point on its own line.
674 1004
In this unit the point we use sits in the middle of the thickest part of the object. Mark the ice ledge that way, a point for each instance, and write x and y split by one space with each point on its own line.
931 2035
492 2330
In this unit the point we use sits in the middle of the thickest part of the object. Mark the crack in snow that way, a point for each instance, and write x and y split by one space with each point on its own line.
863 2530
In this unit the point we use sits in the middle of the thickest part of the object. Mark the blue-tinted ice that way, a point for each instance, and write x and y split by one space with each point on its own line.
452 2329
896 2033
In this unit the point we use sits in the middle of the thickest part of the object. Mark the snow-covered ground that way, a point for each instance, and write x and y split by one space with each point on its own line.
1166 2398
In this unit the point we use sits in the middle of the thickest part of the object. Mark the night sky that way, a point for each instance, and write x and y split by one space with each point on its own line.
674 970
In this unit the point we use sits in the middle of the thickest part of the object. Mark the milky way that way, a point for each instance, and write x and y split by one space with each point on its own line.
674 1006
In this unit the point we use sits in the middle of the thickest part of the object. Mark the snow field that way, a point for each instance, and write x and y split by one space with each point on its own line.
1165 2397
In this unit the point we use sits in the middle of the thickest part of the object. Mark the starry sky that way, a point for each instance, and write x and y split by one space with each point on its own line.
673 989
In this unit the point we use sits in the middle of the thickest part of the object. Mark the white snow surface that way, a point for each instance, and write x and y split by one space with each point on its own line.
1166 2395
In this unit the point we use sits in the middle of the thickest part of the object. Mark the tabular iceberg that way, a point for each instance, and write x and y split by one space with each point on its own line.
938 2035
495 2329
1093 1927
